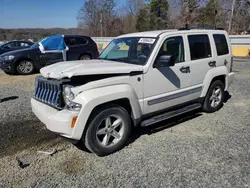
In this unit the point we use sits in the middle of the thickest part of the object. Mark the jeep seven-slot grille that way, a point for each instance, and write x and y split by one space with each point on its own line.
49 92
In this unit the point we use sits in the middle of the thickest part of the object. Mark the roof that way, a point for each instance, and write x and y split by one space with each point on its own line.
75 35
147 33
159 32
5 42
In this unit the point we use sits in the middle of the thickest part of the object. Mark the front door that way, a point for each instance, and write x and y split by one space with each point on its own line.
49 58
167 86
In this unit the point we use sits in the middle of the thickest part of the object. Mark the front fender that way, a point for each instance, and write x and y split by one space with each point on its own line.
95 97
211 74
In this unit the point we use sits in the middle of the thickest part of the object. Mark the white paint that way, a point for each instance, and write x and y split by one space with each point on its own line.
87 67
154 83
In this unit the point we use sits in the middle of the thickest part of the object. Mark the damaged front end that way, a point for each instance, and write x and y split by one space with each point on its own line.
59 94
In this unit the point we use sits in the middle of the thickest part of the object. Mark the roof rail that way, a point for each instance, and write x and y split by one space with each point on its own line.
204 28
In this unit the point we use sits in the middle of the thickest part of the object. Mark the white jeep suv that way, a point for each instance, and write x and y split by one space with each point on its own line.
139 79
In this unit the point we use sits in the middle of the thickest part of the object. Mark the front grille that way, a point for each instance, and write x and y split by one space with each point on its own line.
49 92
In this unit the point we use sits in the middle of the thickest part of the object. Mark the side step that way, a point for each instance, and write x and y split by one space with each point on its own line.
170 114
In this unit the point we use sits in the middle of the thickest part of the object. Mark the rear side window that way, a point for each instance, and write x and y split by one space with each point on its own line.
70 41
81 40
199 46
221 44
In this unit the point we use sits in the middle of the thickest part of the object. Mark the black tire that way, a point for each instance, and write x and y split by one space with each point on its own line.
92 141
85 57
208 105
25 67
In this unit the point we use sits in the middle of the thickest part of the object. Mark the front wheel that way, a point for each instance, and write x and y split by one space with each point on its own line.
109 131
25 67
215 97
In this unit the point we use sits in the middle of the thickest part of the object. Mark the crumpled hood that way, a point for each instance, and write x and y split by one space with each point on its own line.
69 69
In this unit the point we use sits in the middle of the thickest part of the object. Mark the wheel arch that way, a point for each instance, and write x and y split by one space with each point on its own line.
122 102
96 99
220 73
85 53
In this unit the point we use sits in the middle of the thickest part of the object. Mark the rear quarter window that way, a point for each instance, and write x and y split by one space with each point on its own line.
199 47
81 41
221 44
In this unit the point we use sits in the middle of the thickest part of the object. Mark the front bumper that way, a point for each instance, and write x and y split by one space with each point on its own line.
55 120
5 65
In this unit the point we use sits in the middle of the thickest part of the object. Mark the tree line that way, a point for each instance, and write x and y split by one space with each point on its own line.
35 33
108 18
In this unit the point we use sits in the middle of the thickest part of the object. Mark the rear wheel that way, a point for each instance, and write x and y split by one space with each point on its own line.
25 67
109 131
85 57
215 97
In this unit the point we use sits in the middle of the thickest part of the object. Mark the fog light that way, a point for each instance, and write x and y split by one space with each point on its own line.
73 121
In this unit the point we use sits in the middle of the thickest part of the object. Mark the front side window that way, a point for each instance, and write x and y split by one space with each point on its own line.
10 45
135 50
173 47
199 46
221 44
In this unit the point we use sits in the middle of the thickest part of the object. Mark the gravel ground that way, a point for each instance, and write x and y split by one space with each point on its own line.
195 150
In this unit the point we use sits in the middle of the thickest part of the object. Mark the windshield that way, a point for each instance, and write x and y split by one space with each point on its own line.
135 50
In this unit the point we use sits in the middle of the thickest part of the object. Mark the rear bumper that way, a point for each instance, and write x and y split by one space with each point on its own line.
97 54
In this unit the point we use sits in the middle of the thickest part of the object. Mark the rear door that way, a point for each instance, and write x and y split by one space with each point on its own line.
201 58
77 47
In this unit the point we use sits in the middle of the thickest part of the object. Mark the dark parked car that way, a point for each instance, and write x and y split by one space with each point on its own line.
14 45
26 61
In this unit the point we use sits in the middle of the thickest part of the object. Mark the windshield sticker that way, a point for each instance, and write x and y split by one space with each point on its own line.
147 40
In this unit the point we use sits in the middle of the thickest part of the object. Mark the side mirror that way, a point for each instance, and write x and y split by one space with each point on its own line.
165 61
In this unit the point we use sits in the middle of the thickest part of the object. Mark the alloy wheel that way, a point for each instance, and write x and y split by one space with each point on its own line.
25 66
216 97
110 131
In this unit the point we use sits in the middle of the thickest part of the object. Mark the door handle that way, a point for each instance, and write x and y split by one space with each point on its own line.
212 63
185 69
